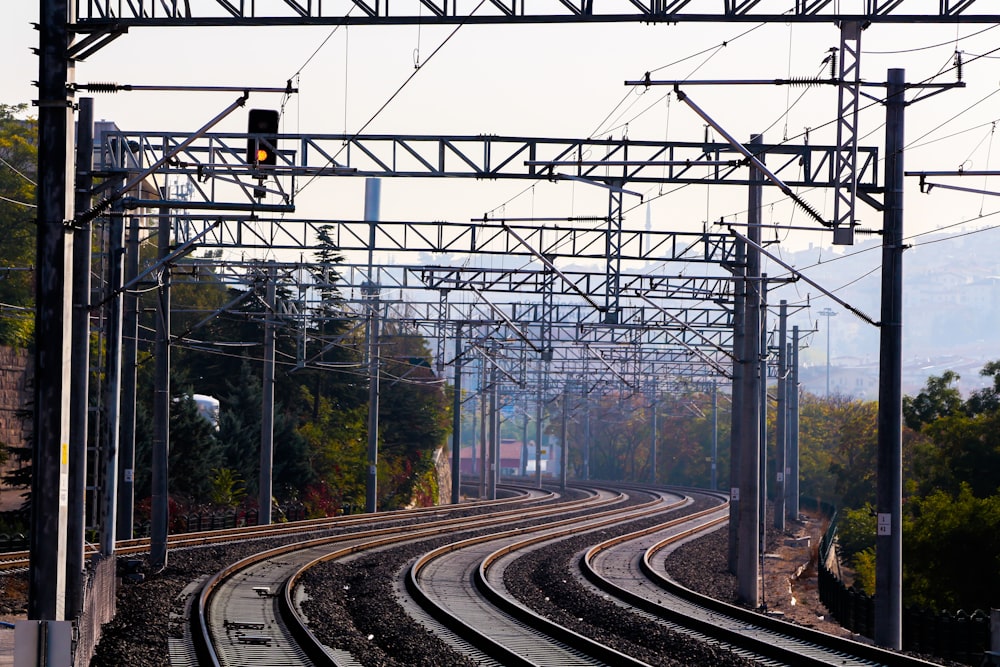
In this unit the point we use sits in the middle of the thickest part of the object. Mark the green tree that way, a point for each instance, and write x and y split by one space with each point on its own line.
939 398
228 489
986 400
414 417
967 451
18 158
337 447
951 548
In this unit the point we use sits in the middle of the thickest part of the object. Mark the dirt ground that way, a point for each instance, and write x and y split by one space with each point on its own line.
790 578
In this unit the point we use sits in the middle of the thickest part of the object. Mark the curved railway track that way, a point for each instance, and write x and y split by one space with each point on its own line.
624 567
16 560
490 620
250 613
247 611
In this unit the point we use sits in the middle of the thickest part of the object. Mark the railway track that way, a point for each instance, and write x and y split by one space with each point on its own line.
251 612
492 621
18 560
247 613
625 566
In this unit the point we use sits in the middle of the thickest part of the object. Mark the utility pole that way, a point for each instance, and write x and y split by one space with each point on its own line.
781 428
456 422
53 306
267 401
715 435
586 432
652 444
371 478
762 439
80 385
161 404
373 190
130 323
748 566
539 407
483 436
494 468
736 416
827 313
563 446
113 374
889 469
792 476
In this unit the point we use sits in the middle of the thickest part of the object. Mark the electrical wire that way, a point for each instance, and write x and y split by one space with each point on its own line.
927 48
19 203
15 170
394 95
715 48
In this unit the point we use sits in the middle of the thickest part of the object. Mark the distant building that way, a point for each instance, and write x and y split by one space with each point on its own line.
515 457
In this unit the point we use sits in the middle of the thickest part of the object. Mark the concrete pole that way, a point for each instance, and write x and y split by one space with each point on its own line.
113 376
53 310
267 403
456 423
652 444
371 478
781 434
715 435
586 436
539 407
161 406
736 415
563 445
748 565
80 371
792 478
889 469
494 468
762 447
130 334
373 193
484 454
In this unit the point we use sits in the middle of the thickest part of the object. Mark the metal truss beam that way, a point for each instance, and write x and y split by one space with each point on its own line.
104 15
710 294
508 281
215 167
845 195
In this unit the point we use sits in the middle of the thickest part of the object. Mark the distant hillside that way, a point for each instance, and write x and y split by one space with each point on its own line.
951 311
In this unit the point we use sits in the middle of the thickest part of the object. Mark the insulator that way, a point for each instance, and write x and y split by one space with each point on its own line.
100 87
809 209
833 63
802 81
958 66
867 231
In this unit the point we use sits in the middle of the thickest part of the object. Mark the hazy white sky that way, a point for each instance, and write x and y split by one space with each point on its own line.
560 81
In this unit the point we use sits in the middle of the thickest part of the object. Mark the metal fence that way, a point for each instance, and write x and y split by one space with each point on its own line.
98 608
959 635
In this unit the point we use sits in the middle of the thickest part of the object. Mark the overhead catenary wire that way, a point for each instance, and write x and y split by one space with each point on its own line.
395 94
19 203
16 171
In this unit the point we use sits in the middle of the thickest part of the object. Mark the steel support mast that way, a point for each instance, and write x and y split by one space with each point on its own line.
889 469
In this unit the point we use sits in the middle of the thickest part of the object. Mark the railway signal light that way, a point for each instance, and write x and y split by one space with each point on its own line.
262 137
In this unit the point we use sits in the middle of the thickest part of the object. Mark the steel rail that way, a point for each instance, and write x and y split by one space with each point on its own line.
745 631
15 560
215 632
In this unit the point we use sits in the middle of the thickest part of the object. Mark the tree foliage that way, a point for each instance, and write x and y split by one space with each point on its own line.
939 398
18 158
951 550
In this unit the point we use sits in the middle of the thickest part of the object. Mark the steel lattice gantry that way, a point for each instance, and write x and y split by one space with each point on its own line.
119 15
215 163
